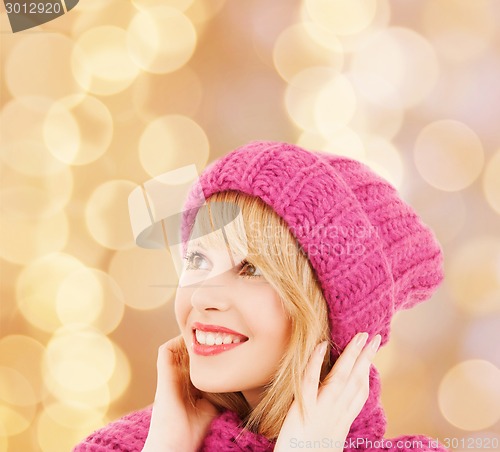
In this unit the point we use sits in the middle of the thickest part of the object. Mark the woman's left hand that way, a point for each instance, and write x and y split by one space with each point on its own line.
330 409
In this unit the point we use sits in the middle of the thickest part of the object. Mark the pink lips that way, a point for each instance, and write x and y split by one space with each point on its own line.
210 350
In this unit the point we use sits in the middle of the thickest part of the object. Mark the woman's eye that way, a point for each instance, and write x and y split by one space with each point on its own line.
194 260
248 270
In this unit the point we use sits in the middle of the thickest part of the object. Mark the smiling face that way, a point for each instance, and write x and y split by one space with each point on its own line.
242 328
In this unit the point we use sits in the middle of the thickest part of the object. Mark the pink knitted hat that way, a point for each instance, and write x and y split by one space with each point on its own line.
371 252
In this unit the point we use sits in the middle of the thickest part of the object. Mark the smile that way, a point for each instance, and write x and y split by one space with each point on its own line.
210 340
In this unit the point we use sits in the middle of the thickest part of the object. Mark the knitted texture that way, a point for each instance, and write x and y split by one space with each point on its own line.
225 435
128 434
371 253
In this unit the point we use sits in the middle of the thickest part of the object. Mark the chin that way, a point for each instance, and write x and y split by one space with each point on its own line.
202 383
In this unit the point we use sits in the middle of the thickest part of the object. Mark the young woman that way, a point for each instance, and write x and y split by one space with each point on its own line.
295 262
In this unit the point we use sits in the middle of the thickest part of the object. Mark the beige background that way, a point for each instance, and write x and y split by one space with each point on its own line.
114 93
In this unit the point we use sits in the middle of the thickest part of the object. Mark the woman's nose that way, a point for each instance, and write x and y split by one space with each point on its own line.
212 294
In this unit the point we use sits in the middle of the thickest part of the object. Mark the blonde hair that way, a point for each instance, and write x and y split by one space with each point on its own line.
254 228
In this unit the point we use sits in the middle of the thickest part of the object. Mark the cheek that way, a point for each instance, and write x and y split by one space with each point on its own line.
182 306
272 324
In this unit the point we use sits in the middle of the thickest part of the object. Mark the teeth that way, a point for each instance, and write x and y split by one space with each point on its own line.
205 338
210 339
201 336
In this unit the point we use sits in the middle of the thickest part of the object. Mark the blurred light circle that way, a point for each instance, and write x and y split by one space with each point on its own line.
374 119
344 142
182 88
312 140
23 354
100 61
469 395
35 197
120 379
15 419
90 296
353 43
22 147
448 155
181 5
107 215
25 202
473 275
445 212
302 94
61 133
294 51
344 17
4 442
438 320
171 142
383 157
15 389
392 61
201 12
24 240
456 95
96 398
79 298
480 333
78 130
32 219
80 358
70 414
37 287
39 66
54 437
161 39
147 277
108 15
491 182
17 401
324 38
92 5
408 380
459 30
335 105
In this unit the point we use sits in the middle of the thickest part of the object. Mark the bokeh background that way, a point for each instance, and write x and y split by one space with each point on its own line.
115 92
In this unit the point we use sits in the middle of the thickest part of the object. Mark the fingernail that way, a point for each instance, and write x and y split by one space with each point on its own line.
376 342
322 348
361 339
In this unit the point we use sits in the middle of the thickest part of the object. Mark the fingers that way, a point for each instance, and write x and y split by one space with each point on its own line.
357 388
312 374
353 365
361 368
168 386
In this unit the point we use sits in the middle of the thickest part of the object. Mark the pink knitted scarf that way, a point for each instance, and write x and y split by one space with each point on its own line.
225 433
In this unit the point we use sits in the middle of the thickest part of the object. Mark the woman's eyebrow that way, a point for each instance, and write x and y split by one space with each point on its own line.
197 243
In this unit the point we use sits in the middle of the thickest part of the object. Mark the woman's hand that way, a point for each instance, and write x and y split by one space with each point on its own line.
175 424
330 410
